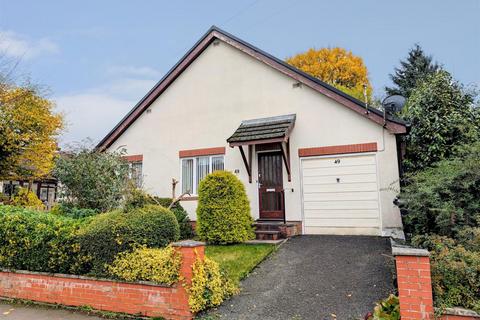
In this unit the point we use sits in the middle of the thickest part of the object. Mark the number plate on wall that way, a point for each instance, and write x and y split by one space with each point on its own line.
271 190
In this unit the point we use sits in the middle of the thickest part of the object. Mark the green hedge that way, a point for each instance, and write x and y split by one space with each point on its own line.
38 241
108 234
455 272
223 212
69 210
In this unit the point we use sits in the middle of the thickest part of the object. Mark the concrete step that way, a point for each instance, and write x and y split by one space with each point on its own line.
267 234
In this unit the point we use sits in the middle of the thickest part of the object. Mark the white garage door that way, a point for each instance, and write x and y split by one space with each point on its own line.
340 195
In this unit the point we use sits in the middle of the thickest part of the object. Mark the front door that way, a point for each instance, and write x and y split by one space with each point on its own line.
270 186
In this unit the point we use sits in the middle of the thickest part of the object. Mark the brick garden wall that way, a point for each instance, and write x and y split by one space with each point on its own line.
415 287
146 299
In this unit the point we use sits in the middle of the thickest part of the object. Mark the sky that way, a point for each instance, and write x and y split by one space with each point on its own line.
98 58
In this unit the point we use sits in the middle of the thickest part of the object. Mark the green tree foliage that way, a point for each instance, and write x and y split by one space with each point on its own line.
443 116
108 234
92 179
444 199
411 71
223 212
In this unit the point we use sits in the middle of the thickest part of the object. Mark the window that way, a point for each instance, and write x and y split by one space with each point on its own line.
136 173
195 169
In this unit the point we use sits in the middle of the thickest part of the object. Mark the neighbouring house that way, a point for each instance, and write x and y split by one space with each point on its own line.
45 189
307 153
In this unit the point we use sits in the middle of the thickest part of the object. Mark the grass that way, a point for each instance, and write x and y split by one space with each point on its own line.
238 260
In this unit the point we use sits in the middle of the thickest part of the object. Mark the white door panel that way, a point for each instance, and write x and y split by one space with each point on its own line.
340 195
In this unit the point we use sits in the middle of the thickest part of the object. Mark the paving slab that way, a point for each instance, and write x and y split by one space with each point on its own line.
30 312
315 277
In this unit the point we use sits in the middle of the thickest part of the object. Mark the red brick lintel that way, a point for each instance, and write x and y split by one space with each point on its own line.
341 149
134 158
201 152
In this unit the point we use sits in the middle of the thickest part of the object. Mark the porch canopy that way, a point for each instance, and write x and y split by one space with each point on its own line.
274 131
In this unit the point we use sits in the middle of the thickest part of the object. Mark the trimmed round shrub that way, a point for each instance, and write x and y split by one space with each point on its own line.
147 264
38 241
108 234
223 212
137 198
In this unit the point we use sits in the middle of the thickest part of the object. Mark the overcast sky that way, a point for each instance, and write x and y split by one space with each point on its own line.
98 58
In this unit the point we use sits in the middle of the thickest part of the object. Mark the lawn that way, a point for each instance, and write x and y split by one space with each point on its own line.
238 260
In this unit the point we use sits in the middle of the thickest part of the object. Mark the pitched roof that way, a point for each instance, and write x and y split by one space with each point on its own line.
265 129
392 124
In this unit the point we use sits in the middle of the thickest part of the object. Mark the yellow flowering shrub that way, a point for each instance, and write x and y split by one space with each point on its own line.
27 199
209 285
147 264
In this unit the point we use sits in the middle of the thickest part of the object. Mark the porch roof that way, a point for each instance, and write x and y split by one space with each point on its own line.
264 130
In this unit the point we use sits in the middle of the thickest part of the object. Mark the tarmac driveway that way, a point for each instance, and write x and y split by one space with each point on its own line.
316 277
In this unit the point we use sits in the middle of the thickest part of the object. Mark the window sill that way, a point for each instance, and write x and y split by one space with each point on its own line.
192 198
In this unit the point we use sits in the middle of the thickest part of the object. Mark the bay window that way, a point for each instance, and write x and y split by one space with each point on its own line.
196 168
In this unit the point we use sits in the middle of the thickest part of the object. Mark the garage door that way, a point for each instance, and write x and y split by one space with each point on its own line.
340 195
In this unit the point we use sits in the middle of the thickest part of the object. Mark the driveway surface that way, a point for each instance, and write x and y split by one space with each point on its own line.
316 277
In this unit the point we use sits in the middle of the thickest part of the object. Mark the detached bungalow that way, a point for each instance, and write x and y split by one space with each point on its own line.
307 153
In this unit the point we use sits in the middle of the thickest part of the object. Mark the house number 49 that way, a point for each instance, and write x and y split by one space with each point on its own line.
337 161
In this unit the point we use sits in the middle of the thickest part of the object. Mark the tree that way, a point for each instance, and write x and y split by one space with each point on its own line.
92 179
443 117
28 133
337 67
417 66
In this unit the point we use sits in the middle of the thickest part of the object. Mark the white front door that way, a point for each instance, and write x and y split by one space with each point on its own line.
340 195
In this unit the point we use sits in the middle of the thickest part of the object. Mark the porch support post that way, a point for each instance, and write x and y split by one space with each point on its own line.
286 157
248 163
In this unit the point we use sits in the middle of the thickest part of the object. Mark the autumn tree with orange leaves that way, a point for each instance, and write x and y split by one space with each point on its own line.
337 67
28 133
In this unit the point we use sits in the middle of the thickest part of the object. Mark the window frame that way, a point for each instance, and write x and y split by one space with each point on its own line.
194 192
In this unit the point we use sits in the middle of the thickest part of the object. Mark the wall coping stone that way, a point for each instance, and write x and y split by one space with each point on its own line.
74 276
460 312
188 243
404 250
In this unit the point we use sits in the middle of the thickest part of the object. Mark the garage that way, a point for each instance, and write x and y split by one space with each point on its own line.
340 195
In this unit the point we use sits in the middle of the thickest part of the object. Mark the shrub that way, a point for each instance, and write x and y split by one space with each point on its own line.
138 198
444 199
147 264
92 179
209 285
455 272
38 241
68 210
223 212
26 198
186 230
113 232
387 309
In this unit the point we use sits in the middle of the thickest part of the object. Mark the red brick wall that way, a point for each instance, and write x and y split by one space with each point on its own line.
330 150
414 287
133 298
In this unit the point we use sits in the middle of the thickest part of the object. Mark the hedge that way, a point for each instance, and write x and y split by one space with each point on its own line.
223 212
38 241
113 232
